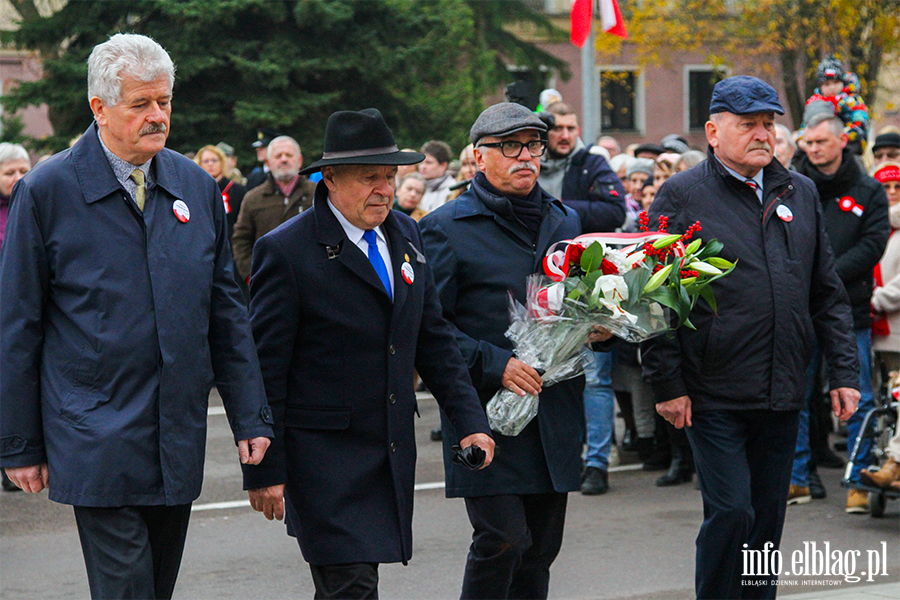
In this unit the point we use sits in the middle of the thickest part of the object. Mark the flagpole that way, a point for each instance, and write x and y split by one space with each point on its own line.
590 91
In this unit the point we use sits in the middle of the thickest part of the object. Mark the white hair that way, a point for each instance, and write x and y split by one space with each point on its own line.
126 53
787 135
617 161
10 152
278 140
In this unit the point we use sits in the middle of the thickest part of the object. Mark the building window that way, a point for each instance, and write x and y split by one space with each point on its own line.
700 83
620 100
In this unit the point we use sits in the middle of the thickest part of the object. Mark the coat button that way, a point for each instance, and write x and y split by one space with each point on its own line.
392 349
393 398
393 447
16 442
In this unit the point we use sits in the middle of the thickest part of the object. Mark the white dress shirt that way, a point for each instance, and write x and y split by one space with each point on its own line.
355 235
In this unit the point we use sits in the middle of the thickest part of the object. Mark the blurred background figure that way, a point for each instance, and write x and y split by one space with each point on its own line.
231 169
467 170
886 147
434 169
258 175
14 163
283 194
611 145
212 160
409 195
689 159
785 146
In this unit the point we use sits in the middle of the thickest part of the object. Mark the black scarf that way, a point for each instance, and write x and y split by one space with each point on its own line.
837 184
527 210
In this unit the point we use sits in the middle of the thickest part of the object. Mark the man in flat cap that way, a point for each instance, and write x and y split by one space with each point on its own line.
737 381
482 246
343 308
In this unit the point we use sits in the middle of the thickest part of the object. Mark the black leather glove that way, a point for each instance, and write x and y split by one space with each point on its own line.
472 457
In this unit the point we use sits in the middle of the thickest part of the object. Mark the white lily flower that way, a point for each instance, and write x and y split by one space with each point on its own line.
618 312
612 288
634 258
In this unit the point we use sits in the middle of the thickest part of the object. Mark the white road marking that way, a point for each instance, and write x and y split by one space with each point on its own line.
435 485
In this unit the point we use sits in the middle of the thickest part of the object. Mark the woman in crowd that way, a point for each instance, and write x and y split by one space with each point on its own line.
409 195
212 160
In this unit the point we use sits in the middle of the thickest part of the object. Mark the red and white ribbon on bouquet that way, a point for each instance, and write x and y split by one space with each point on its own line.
556 262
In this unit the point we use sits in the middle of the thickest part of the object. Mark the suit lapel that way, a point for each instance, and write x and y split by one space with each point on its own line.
333 239
400 250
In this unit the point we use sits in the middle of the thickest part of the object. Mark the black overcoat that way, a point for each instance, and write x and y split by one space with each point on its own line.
337 358
479 254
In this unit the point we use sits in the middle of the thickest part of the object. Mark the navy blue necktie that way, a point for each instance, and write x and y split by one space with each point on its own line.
377 261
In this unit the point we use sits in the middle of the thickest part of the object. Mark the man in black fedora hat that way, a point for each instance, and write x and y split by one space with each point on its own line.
343 308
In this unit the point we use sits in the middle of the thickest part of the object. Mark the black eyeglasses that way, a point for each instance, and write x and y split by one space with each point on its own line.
512 149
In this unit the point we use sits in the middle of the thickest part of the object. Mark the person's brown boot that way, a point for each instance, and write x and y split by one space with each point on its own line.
884 477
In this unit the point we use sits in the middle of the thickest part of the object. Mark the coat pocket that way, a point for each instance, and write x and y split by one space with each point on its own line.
78 404
317 417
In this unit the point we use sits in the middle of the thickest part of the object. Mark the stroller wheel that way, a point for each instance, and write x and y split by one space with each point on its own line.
877 503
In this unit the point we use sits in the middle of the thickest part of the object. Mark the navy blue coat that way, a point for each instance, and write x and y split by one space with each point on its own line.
114 325
478 258
595 192
337 359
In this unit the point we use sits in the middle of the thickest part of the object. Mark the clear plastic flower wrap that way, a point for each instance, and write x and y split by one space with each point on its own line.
637 286
549 343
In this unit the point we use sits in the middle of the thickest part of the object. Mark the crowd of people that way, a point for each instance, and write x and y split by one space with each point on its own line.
284 277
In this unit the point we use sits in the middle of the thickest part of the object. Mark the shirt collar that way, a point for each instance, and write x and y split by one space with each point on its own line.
758 178
354 233
122 168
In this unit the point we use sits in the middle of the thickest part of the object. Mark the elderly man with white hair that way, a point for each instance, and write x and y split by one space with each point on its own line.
118 312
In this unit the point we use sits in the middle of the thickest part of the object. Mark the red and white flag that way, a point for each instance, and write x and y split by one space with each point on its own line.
582 16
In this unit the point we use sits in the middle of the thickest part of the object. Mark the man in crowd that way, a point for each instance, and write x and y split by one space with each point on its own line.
886 148
434 169
343 307
585 183
482 246
258 175
284 194
737 381
785 146
118 308
855 209
611 144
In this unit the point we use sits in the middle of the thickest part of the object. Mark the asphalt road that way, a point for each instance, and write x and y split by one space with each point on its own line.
637 541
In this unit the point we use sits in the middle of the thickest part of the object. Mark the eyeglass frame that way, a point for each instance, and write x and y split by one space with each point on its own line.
522 146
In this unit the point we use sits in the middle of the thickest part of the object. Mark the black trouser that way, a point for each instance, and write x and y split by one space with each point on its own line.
346 582
744 460
132 551
515 540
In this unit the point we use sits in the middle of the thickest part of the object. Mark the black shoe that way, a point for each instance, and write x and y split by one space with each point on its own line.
437 435
8 485
630 440
829 460
596 482
679 472
816 489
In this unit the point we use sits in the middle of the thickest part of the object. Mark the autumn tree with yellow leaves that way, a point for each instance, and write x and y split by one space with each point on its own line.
787 37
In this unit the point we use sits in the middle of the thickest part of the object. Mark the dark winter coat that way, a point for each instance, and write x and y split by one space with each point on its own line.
337 358
594 191
783 294
114 324
480 254
856 219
